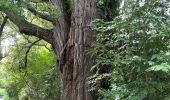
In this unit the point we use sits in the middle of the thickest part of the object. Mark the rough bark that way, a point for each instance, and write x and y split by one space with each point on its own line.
81 37
77 38
71 38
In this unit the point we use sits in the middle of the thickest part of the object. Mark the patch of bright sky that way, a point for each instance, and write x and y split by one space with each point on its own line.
8 42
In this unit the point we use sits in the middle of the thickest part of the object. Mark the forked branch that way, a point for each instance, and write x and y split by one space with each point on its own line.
29 28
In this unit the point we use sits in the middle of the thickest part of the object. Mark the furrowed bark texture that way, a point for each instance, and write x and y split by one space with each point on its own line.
71 39
76 40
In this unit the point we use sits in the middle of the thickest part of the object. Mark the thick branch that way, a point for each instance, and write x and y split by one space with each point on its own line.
41 15
30 29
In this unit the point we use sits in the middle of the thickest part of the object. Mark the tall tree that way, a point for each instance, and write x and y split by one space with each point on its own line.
70 38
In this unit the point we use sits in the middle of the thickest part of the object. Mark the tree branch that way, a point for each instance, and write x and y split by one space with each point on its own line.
28 50
41 15
30 29
3 24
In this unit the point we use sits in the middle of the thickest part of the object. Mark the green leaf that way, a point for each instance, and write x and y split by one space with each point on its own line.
162 67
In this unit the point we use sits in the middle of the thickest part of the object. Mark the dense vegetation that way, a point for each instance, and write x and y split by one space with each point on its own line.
29 69
131 53
133 50
32 75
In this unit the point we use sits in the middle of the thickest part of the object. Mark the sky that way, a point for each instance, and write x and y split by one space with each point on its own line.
7 42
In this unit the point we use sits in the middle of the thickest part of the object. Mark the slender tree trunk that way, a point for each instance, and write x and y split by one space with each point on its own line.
74 61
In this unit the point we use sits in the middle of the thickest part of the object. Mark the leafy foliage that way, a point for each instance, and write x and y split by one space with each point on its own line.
135 47
39 80
19 8
109 8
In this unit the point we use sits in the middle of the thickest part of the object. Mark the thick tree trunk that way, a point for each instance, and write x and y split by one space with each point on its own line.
73 60
71 38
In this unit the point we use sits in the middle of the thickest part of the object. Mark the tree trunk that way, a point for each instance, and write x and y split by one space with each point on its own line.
71 39
74 61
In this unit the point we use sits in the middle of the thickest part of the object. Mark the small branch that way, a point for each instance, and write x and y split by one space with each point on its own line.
42 45
28 50
3 24
41 15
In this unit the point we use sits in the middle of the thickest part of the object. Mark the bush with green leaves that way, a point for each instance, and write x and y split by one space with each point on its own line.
136 47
